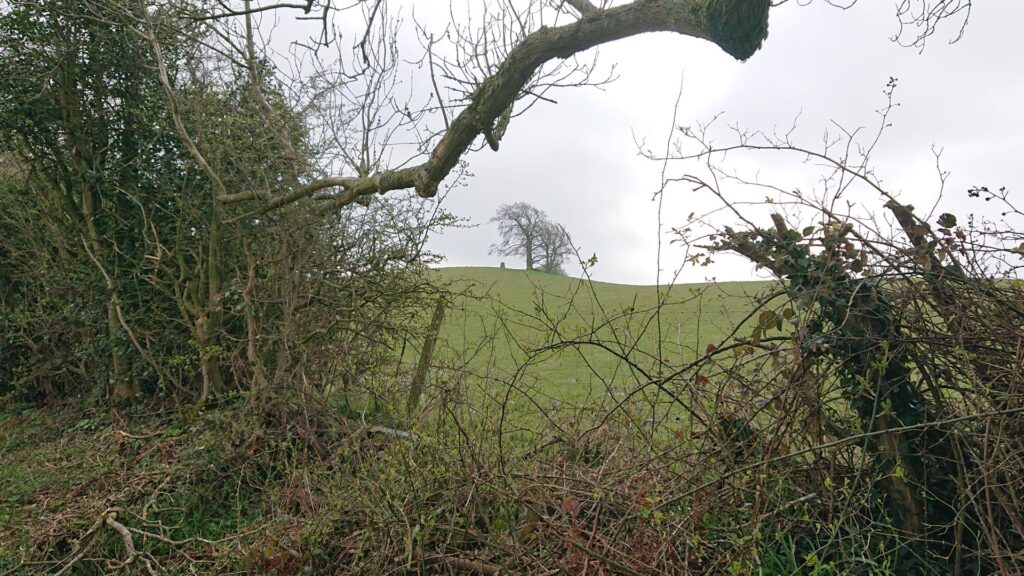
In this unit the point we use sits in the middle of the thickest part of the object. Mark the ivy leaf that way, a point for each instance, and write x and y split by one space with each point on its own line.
947 220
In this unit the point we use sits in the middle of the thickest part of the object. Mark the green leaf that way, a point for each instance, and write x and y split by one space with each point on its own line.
947 220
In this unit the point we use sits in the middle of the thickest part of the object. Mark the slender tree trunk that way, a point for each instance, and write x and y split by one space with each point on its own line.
83 158
286 302
209 321
419 378
212 375
259 374
202 342
121 385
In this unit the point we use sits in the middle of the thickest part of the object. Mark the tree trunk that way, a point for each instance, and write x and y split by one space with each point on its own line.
121 386
868 341
419 378
259 374
211 365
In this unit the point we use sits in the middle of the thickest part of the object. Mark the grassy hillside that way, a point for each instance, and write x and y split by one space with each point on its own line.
567 337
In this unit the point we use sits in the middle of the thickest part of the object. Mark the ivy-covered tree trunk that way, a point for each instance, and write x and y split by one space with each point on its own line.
855 326
82 161
121 386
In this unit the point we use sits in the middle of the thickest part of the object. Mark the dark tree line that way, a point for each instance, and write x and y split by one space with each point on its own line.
122 270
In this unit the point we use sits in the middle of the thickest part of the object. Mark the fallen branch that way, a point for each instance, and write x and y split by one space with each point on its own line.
108 519
457 564
129 543
84 543
394 433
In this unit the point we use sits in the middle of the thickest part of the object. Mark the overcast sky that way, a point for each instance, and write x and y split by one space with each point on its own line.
578 160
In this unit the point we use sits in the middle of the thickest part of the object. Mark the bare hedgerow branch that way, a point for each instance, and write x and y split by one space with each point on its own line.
843 441
939 314
918 19
228 11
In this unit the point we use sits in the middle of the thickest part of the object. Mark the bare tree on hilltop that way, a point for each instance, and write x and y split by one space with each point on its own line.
555 246
527 231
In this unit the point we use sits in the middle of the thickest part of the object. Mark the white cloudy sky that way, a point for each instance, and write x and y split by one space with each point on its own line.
578 161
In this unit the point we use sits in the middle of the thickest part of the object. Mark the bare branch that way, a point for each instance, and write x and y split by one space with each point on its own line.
584 7
219 190
737 26
228 12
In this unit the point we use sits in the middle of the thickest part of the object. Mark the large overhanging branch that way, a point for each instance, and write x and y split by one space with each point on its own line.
737 26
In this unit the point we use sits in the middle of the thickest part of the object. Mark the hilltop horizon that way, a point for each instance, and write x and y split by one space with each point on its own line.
596 277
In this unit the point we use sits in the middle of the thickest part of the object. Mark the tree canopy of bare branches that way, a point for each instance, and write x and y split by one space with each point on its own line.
527 232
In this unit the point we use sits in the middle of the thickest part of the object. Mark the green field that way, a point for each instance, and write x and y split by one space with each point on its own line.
570 339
